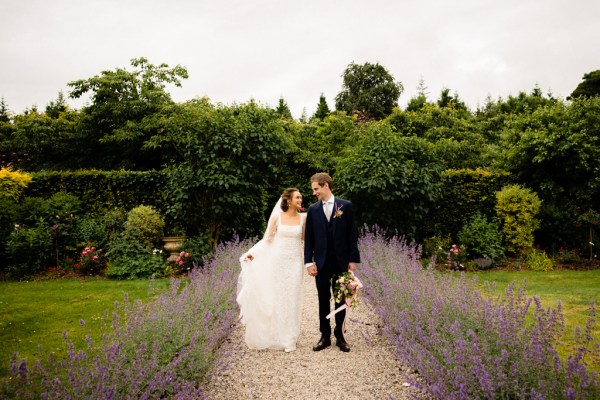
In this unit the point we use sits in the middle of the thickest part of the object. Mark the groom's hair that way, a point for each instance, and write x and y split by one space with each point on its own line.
322 178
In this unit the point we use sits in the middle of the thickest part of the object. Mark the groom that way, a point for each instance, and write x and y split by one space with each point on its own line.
330 248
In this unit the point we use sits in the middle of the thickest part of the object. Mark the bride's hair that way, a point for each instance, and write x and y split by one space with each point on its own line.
286 197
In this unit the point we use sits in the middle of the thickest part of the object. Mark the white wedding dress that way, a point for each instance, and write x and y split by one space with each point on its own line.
270 289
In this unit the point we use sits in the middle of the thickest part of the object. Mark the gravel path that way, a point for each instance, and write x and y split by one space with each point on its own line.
368 371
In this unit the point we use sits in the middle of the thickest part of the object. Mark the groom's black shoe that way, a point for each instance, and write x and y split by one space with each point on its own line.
323 343
342 344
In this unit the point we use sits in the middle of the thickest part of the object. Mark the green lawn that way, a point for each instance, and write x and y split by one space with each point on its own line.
38 312
574 289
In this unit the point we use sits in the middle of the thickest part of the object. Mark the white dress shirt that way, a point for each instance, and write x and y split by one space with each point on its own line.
328 207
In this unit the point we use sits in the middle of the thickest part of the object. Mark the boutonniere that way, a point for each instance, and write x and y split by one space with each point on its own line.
338 212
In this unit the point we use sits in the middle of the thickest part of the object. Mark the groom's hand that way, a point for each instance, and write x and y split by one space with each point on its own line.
351 267
312 270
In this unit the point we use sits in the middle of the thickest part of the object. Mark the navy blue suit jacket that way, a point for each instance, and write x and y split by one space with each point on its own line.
345 241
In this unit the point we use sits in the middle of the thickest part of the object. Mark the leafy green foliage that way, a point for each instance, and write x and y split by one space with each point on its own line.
368 88
13 183
102 190
322 108
4 111
518 207
590 86
9 212
222 162
538 261
322 143
145 224
465 193
482 238
91 232
29 249
447 100
283 110
555 150
214 169
199 248
46 141
114 122
458 144
384 169
129 258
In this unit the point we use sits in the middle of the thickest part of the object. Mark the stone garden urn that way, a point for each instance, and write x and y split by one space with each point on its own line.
173 245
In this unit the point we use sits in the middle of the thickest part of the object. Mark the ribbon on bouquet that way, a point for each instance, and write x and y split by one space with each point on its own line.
344 306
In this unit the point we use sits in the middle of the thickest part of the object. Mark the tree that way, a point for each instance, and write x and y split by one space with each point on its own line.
283 110
216 184
54 108
417 102
120 100
45 142
4 111
589 87
393 181
322 108
422 88
447 100
555 151
370 89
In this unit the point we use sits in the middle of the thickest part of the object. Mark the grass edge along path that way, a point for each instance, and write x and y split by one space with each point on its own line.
159 349
464 345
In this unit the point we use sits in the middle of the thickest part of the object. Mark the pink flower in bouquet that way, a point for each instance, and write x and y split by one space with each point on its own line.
346 289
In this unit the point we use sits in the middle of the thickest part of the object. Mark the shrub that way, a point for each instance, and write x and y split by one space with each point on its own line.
9 212
102 190
29 250
90 232
199 247
113 222
539 261
481 238
517 207
437 246
568 256
91 261
466 192
129 258
146 223
33 209
61 214
13 183
144 265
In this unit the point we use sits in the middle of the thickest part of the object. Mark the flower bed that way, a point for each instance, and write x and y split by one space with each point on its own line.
161 349
466 345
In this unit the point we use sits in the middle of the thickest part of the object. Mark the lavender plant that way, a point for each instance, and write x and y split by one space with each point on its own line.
161 349
466 344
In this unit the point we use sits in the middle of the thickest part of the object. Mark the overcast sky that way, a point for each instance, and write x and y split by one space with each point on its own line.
235 51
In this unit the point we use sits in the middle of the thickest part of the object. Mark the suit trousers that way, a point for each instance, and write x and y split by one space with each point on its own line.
325 281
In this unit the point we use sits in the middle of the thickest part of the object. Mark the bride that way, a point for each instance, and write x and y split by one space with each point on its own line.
270 283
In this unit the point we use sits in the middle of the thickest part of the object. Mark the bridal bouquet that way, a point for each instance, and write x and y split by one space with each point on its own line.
346 288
